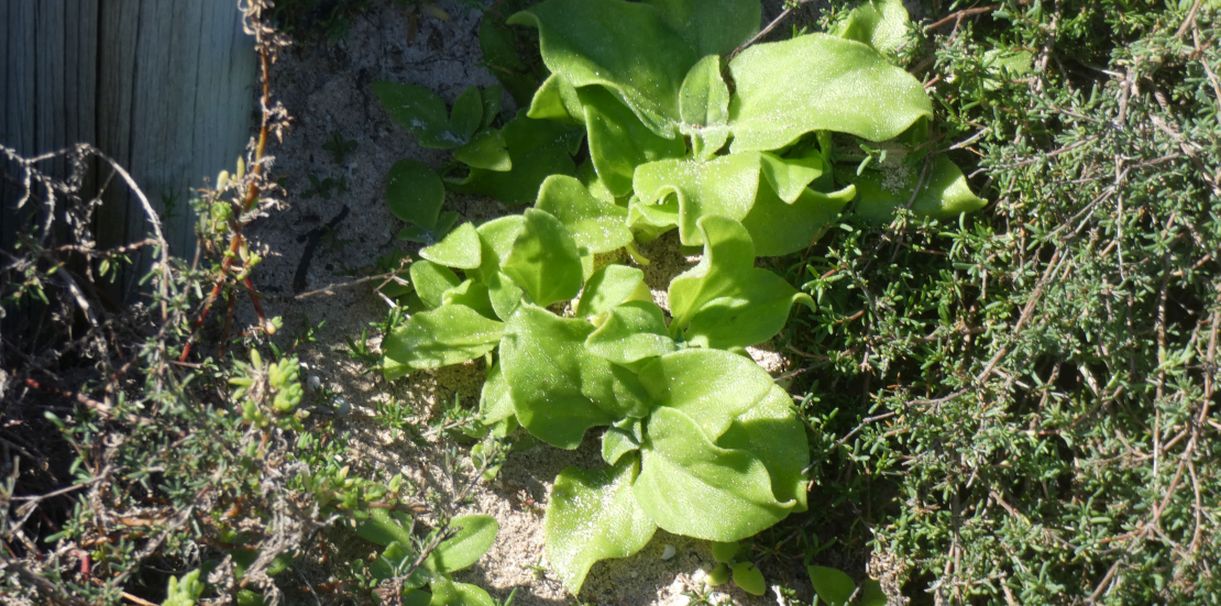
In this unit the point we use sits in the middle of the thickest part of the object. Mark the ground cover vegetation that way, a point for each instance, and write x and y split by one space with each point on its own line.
1015 405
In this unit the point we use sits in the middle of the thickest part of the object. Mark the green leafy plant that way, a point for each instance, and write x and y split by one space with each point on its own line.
468 538
698 440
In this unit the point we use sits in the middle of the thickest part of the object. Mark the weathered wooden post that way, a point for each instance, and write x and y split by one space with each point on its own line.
165 87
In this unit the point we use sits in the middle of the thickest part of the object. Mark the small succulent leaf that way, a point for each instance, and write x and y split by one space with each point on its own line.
584 43
544 260
593 516
845 87
789 177
505 294
421 111
382 528
690 486
833 586
945 192
447 335
725 552
596 226
703 105
649 220
414 193
619 141
449 593
467 113
499 234
472 536
871 594
460 249
719 575
725 301
556 99
610 287
632 332
559 390
711 27
472 294
490 96
431 280
620 439
488 151
749 578
495 402
185 591
537 148
882 24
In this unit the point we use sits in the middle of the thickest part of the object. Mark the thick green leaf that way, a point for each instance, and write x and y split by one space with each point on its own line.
431 280
593 516
495 402
632 332
499 234
626 47
559 390
450 334
448 593
491 98
619 142
711 386
736 404
703 106
596 226
789 177
537 149
487 151
461 249
556 99
692 487
383 528
467 113
414 193
472 294
749 578
610 287
472 536
844 86
882 24
782 228
711 27
725 301
945 192
544 260
497 237
833 586
725 186
771 431
420 111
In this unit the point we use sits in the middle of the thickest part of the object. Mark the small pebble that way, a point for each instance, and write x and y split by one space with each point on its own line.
667 552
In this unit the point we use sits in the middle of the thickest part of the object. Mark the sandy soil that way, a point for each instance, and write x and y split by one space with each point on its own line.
322 240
